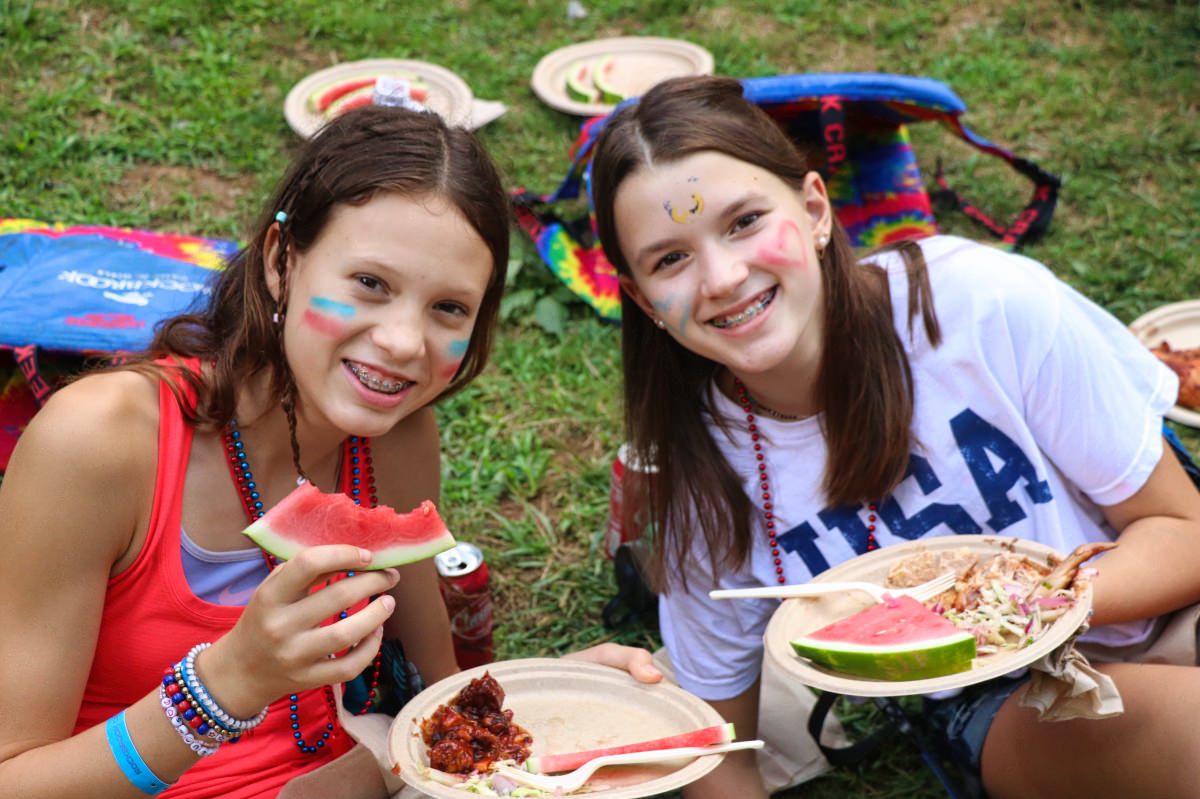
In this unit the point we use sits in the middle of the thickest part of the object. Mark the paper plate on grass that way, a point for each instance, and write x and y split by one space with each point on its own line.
567 706
448 94
635 63
1178 325
796 617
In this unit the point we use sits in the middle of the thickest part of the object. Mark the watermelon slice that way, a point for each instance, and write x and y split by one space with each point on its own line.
357 98
603 75
897 639
579 82
308 517
326 94
549 764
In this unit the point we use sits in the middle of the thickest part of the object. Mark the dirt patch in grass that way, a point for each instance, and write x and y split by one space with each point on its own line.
157 187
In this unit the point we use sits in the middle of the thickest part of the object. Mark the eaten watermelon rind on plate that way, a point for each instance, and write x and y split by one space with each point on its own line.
897 639
568 761
309 517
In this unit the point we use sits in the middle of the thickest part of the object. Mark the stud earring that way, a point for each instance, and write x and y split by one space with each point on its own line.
822 242
660 323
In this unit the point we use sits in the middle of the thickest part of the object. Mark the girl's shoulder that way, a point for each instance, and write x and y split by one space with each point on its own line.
103 421
82 472
973 282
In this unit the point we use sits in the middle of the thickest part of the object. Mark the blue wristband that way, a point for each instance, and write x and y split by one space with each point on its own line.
128 758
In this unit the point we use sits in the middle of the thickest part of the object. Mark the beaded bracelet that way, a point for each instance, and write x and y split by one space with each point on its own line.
205 701
182 710
179 695
196 744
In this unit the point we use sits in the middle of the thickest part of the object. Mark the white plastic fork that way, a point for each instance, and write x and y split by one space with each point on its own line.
574 780
920 592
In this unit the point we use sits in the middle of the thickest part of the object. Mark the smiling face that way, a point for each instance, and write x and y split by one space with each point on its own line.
722 252
381 310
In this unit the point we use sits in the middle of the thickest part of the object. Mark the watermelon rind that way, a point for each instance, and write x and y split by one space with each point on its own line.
931 658
601 74
896 639
308 517
569 761
579 81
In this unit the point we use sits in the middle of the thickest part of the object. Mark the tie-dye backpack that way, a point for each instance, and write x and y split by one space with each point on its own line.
859 122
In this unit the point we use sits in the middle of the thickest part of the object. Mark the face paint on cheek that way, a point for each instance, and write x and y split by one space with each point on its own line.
779 253
323 324
457 350
331 307
323 315
677 326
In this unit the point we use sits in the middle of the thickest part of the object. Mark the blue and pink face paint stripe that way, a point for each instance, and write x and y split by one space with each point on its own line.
457 351
327 316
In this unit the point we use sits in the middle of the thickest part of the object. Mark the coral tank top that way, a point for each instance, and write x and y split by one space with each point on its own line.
151 619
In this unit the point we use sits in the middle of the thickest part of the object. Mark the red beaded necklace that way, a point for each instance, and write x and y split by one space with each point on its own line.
357 459
764 483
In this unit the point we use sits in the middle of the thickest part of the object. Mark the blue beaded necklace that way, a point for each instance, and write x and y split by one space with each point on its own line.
359 461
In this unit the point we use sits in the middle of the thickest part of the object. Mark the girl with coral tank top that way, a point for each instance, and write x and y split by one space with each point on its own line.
146 650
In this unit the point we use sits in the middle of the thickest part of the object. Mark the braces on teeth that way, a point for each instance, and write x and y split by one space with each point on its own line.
749 313
375 382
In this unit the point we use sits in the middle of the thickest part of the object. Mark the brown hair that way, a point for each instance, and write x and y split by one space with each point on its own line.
362 153
865 384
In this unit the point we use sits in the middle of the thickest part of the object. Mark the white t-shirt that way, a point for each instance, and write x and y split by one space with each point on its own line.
1037 407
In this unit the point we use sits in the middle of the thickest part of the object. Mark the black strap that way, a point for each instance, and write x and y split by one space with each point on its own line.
851 755
1033 220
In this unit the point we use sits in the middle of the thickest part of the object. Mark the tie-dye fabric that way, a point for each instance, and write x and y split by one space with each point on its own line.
856 127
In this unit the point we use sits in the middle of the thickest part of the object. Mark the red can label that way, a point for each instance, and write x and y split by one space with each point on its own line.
628 511
463 580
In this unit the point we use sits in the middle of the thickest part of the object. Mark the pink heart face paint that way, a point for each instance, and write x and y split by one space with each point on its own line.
785 250
327 316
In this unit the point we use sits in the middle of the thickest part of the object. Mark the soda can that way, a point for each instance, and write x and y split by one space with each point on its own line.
463 580
628 501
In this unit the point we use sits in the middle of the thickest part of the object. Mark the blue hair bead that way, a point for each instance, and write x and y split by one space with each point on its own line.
281 216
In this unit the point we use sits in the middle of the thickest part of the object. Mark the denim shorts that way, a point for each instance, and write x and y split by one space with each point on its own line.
960 723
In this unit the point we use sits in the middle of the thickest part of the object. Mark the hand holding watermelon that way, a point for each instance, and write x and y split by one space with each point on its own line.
281 645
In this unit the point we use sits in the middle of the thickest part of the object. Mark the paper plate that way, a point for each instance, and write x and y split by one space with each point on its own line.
639 63
796 617
449 95
568 706
1178 324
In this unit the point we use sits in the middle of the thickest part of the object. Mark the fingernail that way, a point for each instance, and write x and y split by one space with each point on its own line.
365 555
388 601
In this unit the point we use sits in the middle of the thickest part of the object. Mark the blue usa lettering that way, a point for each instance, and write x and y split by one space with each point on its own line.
979 442
954 517
975 439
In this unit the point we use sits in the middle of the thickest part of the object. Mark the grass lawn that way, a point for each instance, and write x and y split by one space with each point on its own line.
168 115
